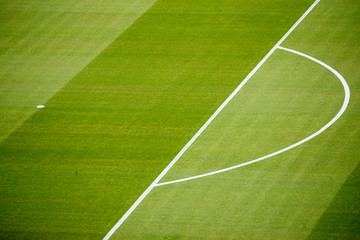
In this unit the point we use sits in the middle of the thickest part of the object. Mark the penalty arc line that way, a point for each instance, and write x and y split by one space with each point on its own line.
333 120
162 174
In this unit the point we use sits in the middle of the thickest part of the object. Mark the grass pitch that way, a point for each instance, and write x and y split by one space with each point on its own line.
73 168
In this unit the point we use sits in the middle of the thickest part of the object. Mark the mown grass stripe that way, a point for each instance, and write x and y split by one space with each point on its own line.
341 220
44 44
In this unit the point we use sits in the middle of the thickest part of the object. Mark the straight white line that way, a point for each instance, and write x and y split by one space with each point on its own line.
342 110
153 184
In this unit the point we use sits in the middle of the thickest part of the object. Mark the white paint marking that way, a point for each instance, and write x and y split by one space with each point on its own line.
342 110
154 183
40 106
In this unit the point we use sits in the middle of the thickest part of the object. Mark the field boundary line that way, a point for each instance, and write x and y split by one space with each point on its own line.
333 120
162 174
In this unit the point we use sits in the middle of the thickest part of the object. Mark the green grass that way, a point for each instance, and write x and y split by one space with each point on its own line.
341 220
294 195
43 44
72 169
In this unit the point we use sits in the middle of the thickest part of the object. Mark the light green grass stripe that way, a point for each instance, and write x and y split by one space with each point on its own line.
43 44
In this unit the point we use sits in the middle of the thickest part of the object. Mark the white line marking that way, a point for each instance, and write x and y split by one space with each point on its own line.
338 115
154 183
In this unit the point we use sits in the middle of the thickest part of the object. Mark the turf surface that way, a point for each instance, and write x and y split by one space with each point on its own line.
72 169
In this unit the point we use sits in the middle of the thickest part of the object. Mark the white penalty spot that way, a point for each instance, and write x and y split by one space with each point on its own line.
40 106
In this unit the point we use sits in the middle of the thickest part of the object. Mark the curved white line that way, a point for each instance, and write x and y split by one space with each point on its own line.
338 115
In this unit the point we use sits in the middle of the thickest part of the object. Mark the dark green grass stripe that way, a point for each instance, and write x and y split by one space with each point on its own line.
342 218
